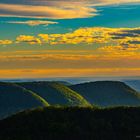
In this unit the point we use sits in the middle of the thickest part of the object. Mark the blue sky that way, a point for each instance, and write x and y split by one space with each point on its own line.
108 16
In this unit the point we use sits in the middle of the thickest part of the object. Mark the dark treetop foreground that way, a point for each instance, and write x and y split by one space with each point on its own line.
73 123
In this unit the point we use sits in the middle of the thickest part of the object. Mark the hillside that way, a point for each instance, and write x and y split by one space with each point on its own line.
120 123
134 84
108 93
56 93
14 98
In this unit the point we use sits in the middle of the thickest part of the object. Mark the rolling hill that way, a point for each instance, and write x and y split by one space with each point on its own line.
108 93
56 93
14 98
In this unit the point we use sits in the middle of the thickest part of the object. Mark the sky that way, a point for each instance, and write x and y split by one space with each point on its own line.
69 38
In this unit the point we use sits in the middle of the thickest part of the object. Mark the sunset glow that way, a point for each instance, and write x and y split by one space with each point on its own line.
40 39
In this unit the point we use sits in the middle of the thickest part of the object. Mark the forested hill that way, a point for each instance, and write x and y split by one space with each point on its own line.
70 123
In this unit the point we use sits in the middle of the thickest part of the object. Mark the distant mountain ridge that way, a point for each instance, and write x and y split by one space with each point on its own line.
108 93
15 97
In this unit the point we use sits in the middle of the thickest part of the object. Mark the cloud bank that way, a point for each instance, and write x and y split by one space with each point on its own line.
55 9
128 38
53 12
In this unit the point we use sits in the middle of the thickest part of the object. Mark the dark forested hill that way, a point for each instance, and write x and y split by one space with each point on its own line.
122 123
56 93
14 98
108 93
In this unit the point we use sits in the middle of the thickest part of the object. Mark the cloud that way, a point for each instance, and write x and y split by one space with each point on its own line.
33 22
57 73
104 57
96 35
62 9
127 38
6 42
126 32
110 2
93 2
28 39
107 60
66 12
82 35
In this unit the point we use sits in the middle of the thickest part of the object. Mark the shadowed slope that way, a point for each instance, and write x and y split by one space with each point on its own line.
108 93
14 98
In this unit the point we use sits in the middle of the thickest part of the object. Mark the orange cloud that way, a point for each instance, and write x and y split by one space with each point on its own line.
81 2
47 73
106 57
28 39
33 22
128 38
104 61
100 35
6 42
54 12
